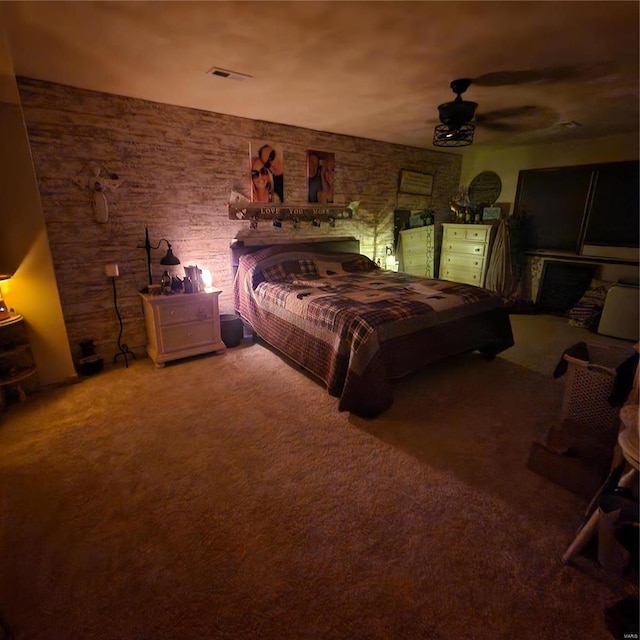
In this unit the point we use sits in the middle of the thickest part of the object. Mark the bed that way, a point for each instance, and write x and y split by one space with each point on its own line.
354 325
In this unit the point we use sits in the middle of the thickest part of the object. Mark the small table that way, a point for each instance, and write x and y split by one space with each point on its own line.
181 325
15 348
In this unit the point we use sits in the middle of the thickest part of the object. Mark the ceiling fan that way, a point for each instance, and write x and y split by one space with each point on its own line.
456 117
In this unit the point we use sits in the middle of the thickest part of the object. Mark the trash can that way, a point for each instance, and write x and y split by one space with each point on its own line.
231 329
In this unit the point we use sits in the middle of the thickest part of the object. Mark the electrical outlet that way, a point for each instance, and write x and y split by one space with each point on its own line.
111 270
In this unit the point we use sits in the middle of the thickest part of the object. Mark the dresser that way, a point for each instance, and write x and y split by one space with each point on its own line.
416 251
465 252
181 325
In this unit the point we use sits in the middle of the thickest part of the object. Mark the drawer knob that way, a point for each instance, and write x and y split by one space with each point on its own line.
477 249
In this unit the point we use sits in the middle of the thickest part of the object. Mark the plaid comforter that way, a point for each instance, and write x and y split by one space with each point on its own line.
337 314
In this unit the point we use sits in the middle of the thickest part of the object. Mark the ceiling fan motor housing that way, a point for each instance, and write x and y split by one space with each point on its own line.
458 112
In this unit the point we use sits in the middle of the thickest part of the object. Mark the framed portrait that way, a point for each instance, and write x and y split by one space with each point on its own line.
415 182
321 166
266 164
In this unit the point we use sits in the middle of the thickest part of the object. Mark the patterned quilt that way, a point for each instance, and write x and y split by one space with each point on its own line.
337 315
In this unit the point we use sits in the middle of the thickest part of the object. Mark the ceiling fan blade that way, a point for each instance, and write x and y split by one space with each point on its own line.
525 117
545 74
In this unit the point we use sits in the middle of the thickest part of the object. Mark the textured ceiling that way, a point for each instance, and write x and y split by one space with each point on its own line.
369 69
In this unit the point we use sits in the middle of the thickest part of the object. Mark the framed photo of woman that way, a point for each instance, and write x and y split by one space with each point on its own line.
267 172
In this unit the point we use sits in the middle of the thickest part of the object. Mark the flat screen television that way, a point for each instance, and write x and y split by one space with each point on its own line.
586 209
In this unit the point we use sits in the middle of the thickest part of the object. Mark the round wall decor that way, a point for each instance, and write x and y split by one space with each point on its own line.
485 189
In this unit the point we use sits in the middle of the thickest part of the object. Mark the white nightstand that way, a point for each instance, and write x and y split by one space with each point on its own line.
182 325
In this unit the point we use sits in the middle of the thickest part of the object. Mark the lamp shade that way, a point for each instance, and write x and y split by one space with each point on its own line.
169 258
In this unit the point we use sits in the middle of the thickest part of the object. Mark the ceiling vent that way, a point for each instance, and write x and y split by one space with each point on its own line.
226 74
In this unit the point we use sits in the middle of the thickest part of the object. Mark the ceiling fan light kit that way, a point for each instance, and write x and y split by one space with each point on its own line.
444 136
455 116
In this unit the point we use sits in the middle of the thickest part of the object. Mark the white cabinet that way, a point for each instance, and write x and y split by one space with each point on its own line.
416 251
181 325
465 252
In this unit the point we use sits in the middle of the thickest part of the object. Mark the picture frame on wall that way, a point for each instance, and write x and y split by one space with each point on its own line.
491 213
267 172
415 182
320 176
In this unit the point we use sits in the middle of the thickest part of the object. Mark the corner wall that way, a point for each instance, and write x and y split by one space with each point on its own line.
24 245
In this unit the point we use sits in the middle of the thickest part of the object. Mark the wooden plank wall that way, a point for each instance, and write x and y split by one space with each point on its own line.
176 168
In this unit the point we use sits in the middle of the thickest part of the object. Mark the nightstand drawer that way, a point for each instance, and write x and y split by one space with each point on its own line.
186 336
185 311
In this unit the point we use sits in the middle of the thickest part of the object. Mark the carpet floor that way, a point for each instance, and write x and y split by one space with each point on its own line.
225 497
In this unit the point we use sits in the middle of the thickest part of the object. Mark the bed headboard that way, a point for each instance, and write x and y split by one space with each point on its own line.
325 244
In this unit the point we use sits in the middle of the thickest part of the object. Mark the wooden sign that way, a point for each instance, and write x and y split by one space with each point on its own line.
415 182
308 212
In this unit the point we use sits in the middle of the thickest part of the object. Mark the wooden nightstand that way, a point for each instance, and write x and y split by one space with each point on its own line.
16 361
181 325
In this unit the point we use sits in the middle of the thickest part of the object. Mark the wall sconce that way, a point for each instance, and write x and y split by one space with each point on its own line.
5 314
169 259
99 186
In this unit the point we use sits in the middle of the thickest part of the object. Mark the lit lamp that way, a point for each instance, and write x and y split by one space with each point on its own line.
390 261
168 260
445 135
4 310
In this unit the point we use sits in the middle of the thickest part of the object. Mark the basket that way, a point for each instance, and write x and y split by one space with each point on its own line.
589 385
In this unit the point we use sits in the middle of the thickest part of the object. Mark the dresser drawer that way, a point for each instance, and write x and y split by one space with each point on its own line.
187 336
417 267
185 311
467 248
462 260
462 274
466 232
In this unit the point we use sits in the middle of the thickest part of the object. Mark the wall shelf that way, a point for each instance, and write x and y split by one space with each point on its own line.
302 213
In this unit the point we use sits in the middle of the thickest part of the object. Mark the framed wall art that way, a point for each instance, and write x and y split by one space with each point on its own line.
415 182
267 172
320 176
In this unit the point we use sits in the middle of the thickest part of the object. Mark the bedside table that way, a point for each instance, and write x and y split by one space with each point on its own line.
181 325
16 361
